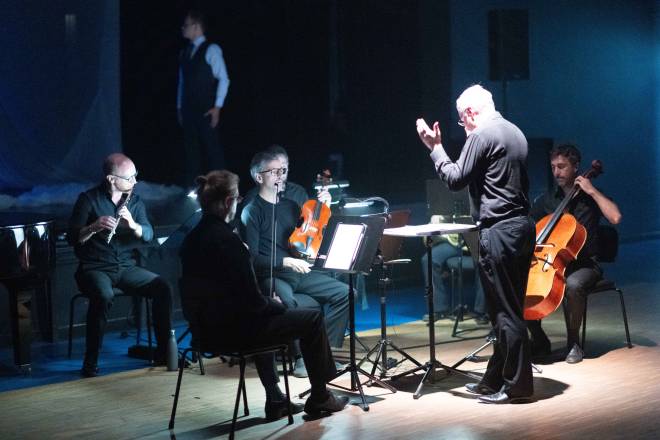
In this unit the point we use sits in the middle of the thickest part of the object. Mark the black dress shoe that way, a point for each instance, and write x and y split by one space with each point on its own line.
575 355
89 370
479 388
503 397
277 410
331 404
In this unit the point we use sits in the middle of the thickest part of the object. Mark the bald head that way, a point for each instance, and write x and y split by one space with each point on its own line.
115 162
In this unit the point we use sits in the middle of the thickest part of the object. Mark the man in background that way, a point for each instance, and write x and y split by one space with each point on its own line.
201 93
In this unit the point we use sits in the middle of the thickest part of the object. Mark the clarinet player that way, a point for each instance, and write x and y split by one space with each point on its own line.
107 224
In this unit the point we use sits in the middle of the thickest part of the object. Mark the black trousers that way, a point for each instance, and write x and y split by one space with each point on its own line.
332 294
203 151
307 325
506 250
132 280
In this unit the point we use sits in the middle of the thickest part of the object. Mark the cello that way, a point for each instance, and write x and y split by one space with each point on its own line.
305 240
559 239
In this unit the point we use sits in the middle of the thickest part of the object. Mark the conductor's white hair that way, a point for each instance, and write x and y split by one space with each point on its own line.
477 98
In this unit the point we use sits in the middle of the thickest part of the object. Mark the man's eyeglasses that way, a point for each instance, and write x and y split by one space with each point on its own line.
275 172
129 178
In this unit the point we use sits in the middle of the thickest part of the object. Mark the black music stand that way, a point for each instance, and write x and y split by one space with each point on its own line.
433 364
351 249
454 205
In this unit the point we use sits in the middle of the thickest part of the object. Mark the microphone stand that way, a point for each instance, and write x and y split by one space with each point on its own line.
273 240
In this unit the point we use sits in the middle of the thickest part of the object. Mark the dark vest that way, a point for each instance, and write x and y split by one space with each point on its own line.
199 84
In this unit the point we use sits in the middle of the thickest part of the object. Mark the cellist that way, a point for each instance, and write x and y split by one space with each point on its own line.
581 274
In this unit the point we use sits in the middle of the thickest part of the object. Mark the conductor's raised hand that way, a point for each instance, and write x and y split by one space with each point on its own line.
431 137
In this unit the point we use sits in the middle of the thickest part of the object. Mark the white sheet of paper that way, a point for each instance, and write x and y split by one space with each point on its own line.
344 247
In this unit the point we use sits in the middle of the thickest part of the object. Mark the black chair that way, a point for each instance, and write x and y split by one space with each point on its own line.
196 297
118 293
608 246
242 356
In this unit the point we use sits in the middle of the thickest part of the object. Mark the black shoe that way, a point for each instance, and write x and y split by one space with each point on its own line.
89 370
503 397
331 404
575 355
479 388
277 410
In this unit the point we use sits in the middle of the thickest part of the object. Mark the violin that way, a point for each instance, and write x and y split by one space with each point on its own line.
559 239
305 240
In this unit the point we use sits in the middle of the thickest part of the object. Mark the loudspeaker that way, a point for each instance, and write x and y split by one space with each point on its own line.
508 44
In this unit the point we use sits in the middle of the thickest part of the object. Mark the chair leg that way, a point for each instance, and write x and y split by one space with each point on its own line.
246 409
284 355
182 364
148 312
238 397
72 304
200 359
625 317
584 323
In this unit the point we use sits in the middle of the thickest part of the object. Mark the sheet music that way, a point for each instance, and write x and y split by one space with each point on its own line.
429 229
343 251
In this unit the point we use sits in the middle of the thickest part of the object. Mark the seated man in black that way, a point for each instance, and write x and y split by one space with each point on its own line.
107 259
226 308
588 207
291 275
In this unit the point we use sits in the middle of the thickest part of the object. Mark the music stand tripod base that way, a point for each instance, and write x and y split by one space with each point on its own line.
430 368
351 249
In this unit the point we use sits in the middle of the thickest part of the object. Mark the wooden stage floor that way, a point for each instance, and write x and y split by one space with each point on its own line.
613 393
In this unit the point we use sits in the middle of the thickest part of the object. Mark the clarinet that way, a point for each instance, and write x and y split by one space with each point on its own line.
125 198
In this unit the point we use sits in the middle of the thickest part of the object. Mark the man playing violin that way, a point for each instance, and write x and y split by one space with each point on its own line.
588 207
109 261
291 275
493 164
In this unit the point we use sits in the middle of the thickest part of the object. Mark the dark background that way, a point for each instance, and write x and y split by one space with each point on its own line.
81 79
283 88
